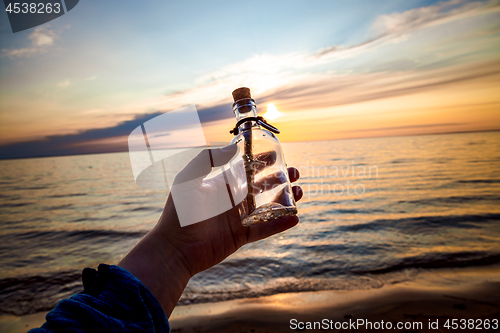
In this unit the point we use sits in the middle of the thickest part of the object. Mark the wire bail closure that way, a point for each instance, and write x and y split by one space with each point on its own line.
259 120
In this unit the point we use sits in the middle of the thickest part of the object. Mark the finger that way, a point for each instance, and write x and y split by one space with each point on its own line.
198 167
220 156
294 174
263 160
297 192
264 230
269 182
201 165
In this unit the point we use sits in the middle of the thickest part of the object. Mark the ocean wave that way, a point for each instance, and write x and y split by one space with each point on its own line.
18 204
66 195
193 295
403 160
19 243
27 188
146 208
356 279
71 236
478 181
439 201
319 250
52 208
353 280
29 294
422 224
438 261
355 211
35 293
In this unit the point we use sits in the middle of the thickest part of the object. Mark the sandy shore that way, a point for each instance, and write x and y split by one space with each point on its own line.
401 303
437 296
14 324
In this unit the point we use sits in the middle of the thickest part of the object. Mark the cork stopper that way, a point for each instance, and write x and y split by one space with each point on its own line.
241 93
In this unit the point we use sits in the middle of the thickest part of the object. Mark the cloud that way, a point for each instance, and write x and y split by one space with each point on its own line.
268 73
327 91
332 76
322 90
397 23
334 90
109 139
396 128
76 143
395 27
42 40
64 84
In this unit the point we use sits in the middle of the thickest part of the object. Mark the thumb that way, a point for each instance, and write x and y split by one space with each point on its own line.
202 164
222 156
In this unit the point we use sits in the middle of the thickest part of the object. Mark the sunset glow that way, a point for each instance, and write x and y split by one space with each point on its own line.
397 69
272 112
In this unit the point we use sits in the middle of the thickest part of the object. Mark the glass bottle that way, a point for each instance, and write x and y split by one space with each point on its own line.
269 190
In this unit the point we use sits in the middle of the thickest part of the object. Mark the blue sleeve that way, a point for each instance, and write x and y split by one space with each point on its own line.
113 300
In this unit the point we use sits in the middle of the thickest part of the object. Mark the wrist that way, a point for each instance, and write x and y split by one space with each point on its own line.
160 267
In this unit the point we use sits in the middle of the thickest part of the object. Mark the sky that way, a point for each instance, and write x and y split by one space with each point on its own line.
333 69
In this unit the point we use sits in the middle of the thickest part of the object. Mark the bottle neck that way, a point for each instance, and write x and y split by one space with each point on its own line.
245 108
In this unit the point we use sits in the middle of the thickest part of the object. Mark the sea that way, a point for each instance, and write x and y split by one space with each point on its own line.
375 211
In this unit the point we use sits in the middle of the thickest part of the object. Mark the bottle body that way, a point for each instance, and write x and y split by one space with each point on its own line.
270 193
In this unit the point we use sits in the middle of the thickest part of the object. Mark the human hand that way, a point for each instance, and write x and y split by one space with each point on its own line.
207 243
170 255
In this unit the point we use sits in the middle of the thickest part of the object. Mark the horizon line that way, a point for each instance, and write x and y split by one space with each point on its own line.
358 138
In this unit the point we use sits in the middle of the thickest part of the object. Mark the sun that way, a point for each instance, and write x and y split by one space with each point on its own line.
272 112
